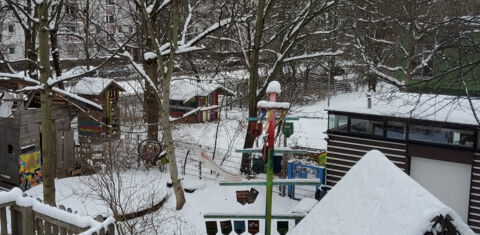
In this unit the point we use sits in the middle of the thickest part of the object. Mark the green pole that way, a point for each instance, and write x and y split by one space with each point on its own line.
270 142
268 207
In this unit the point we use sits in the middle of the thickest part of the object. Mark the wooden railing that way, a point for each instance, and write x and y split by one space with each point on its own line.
28 216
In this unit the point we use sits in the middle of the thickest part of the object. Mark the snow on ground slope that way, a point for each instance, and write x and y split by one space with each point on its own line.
376 197
138 187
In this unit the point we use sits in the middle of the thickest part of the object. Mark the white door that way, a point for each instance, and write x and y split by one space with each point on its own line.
448 181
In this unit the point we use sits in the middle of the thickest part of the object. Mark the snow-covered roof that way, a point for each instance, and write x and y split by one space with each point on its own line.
185 89
93 85
376 197
182 89
441 108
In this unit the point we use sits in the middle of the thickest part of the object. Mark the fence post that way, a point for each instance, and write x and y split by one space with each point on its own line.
200 169
28 223
185 162
3 221
15 225
111 229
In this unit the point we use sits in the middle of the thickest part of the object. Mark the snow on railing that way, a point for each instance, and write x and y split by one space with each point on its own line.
36 216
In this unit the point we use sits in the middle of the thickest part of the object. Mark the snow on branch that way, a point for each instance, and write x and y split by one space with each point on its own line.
9 76
66 77
387 77
140 70
317 54
76 97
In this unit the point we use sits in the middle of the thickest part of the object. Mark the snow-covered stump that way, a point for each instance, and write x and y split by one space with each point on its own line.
29 216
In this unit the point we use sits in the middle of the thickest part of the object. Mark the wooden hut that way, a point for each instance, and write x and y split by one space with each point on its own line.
20 139
433 138
200 97
106 93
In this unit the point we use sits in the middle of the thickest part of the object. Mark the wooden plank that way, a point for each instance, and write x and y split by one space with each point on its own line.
59 223
55 229
3 221
48 228
16 224
28 220
275 182
276 151
111 229
251 216
39 227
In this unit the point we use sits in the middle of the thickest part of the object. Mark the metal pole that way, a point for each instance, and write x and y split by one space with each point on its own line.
270 141
284 168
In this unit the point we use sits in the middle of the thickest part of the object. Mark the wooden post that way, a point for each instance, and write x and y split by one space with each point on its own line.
200 169
16 228
3 221
28 223
111 229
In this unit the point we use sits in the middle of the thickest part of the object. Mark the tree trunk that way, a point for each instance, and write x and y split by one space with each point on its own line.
167 131
46 109
55 52
151 99
30 43
86 32
253 82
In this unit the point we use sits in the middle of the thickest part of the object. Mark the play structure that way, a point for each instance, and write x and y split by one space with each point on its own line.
275 114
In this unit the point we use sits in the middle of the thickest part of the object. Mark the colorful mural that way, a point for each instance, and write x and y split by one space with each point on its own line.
30 170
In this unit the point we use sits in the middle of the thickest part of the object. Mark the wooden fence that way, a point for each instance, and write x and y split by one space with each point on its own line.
31 217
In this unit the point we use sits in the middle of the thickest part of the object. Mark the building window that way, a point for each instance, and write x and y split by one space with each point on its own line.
125 29
364 126
441 135
337 123
69 10
72 28
396 130
11 28
110 19
10 149
110 37
11 50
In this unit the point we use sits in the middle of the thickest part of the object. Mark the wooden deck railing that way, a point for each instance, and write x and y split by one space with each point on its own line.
28 216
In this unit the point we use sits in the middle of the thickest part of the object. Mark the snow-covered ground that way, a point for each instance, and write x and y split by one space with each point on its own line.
140 188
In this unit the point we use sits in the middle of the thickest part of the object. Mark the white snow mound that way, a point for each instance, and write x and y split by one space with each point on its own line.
274 87
376 197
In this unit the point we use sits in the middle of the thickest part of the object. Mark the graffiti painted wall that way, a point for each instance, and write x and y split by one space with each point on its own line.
30 170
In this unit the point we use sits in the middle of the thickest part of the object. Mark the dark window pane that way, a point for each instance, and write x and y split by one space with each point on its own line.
359 125
364 126
396 130
442 135
337 123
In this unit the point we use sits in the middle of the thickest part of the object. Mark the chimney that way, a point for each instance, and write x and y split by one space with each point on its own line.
369 100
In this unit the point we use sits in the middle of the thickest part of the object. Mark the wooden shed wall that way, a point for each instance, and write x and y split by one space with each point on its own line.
10 135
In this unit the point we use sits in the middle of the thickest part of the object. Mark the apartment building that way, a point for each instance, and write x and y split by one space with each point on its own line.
107 22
